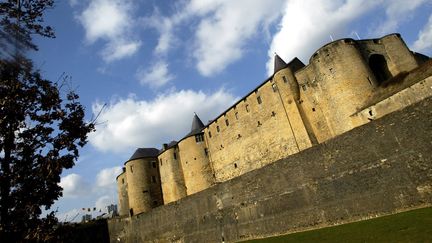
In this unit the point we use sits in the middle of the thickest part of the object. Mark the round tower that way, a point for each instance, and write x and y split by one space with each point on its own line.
171 172
342 79
195 163
122 190
143 181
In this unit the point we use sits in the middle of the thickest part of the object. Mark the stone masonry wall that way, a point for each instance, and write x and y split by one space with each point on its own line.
380 168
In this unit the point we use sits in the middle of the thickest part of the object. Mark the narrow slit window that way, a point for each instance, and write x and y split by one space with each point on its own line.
236 115
131 168
175 155
227 122
284 79
259 99
154 164
247 108
274 87
209 133
217 128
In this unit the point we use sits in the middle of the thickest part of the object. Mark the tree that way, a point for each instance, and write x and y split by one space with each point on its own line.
41 131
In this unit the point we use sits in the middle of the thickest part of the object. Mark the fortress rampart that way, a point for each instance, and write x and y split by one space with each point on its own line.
299 109
380 168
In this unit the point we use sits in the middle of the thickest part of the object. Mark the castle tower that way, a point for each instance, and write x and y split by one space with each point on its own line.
143 181
122 190
289 93
194 159
171 173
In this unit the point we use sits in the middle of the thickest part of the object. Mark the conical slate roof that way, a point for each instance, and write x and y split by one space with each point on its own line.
197 126
144 153
278 63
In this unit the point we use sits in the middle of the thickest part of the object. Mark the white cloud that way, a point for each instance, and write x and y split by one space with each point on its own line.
397 11
307 24
424 41
129 123
221 35
223 28
74 186
106 177
117 51
103 202
111 21
156 76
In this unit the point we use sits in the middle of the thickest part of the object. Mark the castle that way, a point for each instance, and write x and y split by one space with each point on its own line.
347 83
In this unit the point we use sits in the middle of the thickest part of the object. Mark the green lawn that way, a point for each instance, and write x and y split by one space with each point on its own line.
411 226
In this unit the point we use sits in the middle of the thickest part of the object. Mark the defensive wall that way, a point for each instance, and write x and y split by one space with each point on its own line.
382 167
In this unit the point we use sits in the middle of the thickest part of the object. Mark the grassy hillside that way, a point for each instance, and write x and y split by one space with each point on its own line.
411 226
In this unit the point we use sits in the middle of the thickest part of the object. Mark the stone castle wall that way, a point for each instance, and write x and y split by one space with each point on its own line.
341 88
382 167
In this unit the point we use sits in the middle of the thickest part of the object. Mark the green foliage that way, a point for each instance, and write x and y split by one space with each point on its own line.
40 133
411 226
41 130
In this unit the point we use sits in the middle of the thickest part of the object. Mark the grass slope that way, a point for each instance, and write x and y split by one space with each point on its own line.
411 226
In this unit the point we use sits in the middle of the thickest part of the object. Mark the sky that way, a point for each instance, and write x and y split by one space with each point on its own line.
148 65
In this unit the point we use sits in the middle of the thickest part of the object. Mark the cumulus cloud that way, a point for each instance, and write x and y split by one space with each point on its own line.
307 24
104 201
106 177
156 76
223 27
424 41
74 186
111 21
221 35
396 11
130 122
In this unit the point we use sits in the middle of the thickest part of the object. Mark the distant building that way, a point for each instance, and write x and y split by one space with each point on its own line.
86 218
112 209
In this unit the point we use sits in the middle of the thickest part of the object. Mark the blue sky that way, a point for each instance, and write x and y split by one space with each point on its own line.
154 63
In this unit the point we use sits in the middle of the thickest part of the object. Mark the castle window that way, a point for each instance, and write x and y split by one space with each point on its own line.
259 100
206 152
199 138
235 165
284 79
313 109
238 136
274 87
175 155
160 160
153 178
227 122
259 124
304 87
236 115
122 180
131 168
247 108
217 128
209 134
273 113
154 164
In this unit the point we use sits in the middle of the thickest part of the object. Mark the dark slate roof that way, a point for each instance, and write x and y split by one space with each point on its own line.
197 124
279 64
144 153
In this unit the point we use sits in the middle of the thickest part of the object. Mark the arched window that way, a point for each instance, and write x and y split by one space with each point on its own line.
378 65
